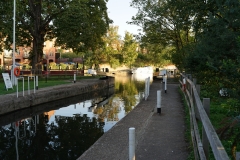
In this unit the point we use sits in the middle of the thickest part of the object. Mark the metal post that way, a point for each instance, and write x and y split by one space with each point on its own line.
13 77
74 77
131 143
159 101
23 85
17 88
205 143
165 83
17 85
36 82
146 90
29 84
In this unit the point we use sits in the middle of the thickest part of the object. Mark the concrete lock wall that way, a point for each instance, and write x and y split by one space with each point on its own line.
10 102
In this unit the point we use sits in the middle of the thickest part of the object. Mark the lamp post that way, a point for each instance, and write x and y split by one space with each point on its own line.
13 77
83 63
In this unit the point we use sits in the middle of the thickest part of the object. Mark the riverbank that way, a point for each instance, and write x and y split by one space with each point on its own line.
10 102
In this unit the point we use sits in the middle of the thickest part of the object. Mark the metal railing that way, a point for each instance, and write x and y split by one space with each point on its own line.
198 112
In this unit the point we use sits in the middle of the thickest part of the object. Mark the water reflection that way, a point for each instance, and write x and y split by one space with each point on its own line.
64 131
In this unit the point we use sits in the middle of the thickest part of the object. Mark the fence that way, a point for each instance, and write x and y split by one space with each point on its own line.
198 111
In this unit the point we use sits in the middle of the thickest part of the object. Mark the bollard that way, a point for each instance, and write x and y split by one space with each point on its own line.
36 82
131 143
184 84
165 83
74 77
159 101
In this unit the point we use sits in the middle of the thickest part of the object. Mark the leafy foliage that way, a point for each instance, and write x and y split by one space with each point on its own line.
82 26
78 24
129 51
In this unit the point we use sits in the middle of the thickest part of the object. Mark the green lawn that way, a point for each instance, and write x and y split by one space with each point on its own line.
42 82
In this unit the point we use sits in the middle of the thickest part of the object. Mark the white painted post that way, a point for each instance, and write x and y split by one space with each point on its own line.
131 143
159 101
165 83
36 82
147 84
34 86
74 77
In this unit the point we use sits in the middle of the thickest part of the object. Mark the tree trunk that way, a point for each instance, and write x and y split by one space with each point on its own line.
38 35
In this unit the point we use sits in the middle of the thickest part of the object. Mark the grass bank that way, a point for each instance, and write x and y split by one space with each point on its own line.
225 121
42 83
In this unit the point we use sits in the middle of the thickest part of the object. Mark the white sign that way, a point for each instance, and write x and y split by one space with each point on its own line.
7 80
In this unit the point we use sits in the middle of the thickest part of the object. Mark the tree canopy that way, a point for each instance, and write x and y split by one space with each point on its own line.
39 20
202 35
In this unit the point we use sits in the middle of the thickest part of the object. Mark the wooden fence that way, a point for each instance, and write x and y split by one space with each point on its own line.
199 112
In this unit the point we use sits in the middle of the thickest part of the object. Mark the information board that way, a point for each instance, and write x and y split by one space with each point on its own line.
7 80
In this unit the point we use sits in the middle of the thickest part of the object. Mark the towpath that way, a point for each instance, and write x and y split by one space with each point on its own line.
158 136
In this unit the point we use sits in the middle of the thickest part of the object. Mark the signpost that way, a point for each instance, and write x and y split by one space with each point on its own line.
7 81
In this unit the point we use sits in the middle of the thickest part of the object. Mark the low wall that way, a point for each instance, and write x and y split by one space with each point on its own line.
10 102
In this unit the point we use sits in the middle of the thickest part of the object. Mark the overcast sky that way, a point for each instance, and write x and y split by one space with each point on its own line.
121 12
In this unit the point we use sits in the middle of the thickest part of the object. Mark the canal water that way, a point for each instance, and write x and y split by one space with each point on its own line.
63 130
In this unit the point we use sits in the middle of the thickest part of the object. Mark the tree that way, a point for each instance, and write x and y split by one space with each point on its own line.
112 47
129 51
34 22
82 26
164 23
215 57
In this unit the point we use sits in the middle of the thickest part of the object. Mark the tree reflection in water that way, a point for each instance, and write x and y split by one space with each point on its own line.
67 138
67 135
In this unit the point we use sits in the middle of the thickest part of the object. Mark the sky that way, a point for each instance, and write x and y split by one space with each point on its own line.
121 12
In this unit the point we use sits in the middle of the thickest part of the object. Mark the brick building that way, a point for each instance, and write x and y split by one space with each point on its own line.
22 54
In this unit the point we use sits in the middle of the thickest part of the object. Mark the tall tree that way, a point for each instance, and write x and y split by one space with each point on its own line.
82 26
164 23
216 55
34 22
129 51
33 19
112 46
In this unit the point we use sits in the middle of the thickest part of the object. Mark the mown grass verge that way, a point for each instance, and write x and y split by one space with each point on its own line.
42 83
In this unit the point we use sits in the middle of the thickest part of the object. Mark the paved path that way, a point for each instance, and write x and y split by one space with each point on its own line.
158 137
163 138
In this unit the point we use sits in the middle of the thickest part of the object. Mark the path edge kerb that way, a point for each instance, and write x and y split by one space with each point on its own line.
10 102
